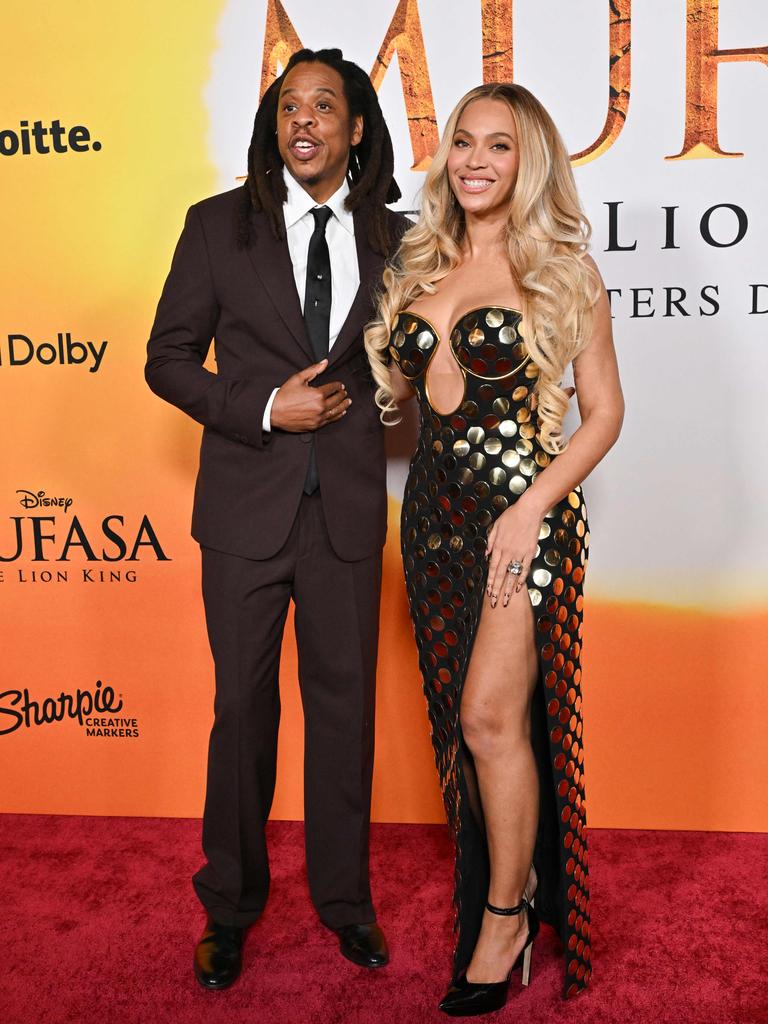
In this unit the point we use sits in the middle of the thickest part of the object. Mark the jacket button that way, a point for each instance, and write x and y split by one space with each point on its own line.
306 437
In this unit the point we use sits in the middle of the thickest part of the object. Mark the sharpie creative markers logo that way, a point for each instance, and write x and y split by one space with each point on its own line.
96 711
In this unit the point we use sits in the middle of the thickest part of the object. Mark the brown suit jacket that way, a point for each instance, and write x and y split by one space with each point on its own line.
250 482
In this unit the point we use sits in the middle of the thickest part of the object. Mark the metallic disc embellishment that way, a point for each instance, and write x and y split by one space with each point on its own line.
477 460
511 459
535 596
494 318
507 428
425 340
399 338
528 467
475 435
460 448
409 325
508 335
523 447
497 476
476 337
492 446
542 577
501 406
517 484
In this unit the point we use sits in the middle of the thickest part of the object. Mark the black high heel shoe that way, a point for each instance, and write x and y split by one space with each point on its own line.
468 998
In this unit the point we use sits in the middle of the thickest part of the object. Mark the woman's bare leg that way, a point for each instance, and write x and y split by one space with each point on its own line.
495 721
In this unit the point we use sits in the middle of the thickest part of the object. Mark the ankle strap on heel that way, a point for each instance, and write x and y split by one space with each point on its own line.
509 911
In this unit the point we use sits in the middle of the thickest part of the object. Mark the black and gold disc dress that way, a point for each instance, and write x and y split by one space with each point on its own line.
469 466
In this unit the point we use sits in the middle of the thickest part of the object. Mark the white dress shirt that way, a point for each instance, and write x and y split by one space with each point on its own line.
340 235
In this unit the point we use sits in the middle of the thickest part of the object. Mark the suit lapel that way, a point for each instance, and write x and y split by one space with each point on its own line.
370 266
272 262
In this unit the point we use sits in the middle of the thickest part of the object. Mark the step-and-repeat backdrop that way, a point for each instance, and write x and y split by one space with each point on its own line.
114 119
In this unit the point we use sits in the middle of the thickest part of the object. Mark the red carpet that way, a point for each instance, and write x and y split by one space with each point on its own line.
100 921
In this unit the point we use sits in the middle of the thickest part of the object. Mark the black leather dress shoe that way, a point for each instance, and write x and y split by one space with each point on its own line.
219 955
363 944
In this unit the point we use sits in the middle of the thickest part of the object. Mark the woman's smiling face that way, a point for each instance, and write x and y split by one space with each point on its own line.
484 157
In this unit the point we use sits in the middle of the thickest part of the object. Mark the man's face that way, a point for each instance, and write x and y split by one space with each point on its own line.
314 129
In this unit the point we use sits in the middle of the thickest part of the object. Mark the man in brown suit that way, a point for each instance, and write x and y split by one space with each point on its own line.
290 501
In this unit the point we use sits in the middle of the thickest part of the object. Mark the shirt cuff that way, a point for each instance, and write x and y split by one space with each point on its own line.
266 423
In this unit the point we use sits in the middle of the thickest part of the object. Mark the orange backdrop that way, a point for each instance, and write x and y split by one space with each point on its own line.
674 699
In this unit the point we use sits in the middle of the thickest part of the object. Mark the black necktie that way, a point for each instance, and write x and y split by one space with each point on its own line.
317 293
317 311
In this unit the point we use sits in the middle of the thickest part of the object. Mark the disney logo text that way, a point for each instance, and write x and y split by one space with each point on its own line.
36 499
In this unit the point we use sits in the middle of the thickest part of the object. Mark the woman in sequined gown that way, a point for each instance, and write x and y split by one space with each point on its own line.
490 298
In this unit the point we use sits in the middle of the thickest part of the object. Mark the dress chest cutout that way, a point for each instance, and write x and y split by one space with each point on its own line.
484 342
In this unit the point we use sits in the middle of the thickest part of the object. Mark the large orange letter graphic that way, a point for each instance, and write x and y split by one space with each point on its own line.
619 80
498 63
280 41
404 36
701 64
498 51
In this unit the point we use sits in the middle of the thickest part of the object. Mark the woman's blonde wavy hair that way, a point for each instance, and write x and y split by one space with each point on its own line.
547 235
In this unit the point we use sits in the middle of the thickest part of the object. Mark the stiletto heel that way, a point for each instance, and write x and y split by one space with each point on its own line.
468 998
528 953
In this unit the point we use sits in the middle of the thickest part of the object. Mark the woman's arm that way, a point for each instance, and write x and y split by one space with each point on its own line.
601 407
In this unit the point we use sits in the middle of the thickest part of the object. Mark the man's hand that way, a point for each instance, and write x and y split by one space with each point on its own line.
298 407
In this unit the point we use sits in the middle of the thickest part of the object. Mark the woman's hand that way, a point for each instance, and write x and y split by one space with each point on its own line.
511 539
